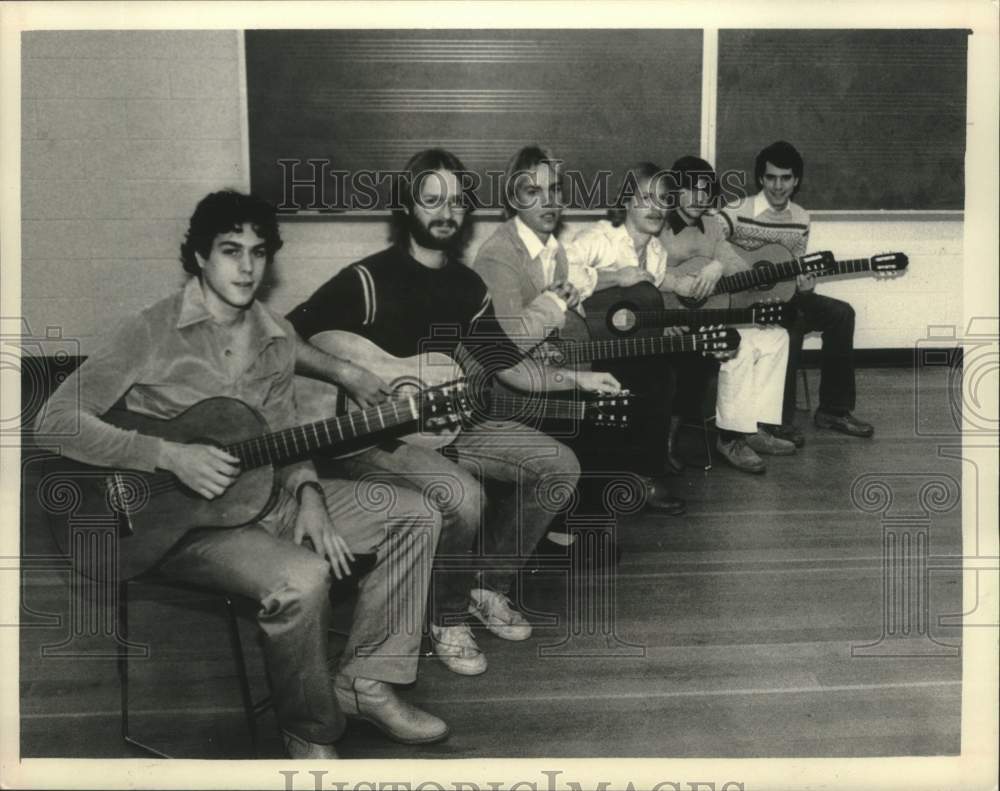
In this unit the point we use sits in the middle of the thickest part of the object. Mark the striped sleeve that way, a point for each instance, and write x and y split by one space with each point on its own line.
345 302
370 304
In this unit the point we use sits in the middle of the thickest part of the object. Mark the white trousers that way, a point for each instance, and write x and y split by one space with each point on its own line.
752 384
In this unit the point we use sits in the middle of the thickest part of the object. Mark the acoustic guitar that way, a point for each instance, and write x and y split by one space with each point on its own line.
884 265
768 266
412 374
639 310
152 511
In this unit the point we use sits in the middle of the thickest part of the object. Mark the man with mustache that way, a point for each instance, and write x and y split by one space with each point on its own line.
772 217
396 299
213 338
534 285
623 250
751 382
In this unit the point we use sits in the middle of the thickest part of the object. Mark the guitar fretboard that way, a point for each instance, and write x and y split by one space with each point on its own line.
502 404
699 318
588 351
758 276
279 447
850 266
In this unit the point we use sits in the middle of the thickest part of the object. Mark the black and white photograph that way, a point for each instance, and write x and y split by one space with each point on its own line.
499 395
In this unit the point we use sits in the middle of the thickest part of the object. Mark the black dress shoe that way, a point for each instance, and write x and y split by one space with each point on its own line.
660 500
845 424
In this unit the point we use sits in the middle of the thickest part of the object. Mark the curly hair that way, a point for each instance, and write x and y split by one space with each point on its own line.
222 212
782 155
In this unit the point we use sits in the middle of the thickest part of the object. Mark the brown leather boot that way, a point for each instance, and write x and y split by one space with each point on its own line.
377 702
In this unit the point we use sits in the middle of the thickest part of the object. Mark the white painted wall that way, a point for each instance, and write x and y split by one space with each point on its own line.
123 132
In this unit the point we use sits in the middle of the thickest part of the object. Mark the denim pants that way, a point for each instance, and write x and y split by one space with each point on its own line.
292 584
531 477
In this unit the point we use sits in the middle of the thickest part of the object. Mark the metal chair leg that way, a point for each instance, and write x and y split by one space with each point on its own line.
241 670
123 652
251 710
805 389
123 655
708 443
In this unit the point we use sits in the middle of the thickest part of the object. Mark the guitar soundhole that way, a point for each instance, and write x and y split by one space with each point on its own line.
623 320
768 269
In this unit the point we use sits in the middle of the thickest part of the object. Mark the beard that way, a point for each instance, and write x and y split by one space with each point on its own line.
421 234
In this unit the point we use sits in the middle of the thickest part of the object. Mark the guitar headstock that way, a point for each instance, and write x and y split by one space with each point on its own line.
445 406
765 313
817 263
889 264
611 411
723 339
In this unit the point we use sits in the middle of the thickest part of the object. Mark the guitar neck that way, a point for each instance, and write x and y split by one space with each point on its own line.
280 447
694 317
506 405
758 276
849 266
620 348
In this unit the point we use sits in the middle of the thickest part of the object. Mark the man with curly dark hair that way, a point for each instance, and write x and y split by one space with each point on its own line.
213 338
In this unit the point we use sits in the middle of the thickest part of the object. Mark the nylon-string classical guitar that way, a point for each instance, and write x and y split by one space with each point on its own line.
150 512
772 272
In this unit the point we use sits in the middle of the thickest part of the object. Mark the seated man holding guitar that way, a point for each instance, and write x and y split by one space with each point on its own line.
623 251
751 382
771 217
538 289
188 367
418 295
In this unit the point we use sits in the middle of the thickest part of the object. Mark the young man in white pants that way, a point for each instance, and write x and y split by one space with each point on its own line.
751 381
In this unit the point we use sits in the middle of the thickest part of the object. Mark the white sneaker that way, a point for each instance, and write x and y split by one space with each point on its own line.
456 648
494 610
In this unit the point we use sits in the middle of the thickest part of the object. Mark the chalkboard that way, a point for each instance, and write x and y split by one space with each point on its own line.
366 100
878 115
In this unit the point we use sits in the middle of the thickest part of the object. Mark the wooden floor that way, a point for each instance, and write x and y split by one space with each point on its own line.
730 635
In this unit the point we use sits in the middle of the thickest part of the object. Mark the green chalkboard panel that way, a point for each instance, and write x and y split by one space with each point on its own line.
365 100
879 115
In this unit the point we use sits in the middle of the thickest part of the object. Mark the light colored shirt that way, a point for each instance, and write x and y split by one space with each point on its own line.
606 246
163 361
582 278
